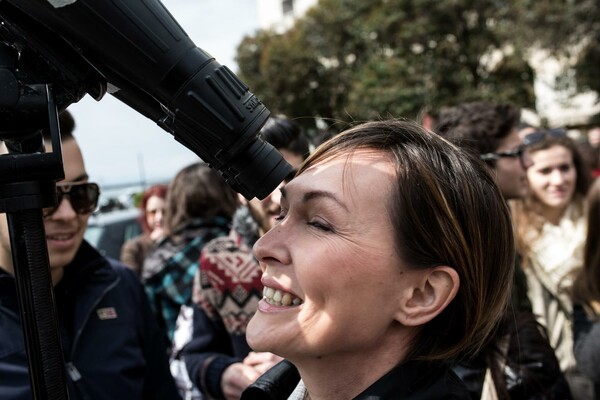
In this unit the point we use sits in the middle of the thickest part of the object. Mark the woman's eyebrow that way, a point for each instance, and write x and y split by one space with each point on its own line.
315 194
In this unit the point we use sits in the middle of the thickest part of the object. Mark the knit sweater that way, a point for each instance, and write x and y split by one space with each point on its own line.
227 289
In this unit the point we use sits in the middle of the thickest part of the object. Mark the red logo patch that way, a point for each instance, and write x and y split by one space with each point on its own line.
107 313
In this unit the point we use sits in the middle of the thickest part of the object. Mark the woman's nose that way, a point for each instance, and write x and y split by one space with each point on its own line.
557 177
271 247
261 248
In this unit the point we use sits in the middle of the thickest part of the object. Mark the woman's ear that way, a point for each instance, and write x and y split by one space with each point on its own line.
432 292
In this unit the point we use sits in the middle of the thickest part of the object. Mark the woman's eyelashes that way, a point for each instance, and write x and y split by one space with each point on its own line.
320 225
316 223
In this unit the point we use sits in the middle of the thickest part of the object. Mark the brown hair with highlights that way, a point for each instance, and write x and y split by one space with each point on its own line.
198 191
446 210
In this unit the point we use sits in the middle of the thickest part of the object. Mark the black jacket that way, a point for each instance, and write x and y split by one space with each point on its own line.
412 381
529 369
111 342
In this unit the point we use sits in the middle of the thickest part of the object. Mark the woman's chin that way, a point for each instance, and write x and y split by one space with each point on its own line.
254 334
259 335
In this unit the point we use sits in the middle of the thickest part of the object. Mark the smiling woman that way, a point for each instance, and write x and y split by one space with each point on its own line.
382 269
550 230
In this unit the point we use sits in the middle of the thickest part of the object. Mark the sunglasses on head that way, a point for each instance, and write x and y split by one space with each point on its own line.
538 136
82 196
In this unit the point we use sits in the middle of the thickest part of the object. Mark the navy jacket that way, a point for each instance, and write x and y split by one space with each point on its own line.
210 351
112 346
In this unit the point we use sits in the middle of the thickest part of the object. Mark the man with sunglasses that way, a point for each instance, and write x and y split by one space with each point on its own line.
491 131
112 346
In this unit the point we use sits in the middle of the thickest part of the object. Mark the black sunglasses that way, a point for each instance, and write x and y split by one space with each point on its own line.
82 196
520 152
538 136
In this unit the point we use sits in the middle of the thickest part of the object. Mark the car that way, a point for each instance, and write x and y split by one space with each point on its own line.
107 231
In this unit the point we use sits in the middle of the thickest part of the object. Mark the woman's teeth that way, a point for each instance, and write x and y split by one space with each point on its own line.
278 298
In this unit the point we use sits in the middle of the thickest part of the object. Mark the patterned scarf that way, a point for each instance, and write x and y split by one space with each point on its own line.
171 287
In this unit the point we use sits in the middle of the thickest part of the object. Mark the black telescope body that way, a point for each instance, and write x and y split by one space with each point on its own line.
54 52
136 50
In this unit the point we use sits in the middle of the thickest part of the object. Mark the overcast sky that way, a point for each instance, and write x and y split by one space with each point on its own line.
122 146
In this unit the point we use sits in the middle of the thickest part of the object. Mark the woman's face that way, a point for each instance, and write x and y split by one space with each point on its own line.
331 271
155 212
552 177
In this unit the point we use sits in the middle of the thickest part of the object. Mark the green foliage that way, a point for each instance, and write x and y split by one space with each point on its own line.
349 60
137 198
587 74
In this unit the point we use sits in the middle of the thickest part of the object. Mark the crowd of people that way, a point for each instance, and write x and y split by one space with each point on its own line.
452 258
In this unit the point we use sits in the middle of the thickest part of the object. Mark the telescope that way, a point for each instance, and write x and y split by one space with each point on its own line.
136 51
52 54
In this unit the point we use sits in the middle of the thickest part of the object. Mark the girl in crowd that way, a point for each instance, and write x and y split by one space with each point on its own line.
199 208
152 207
550 231
383 268
586 296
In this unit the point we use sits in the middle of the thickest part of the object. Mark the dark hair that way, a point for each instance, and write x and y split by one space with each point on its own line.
586 286
284 134
446 210
478 126
66 123
589 154
198 191
158 190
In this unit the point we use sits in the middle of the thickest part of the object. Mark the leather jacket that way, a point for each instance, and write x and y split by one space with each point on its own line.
412 380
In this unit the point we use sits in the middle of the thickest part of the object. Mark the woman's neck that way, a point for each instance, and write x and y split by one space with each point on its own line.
553 214
345 376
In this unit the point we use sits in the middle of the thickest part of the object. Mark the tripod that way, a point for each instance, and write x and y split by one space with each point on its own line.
28 178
